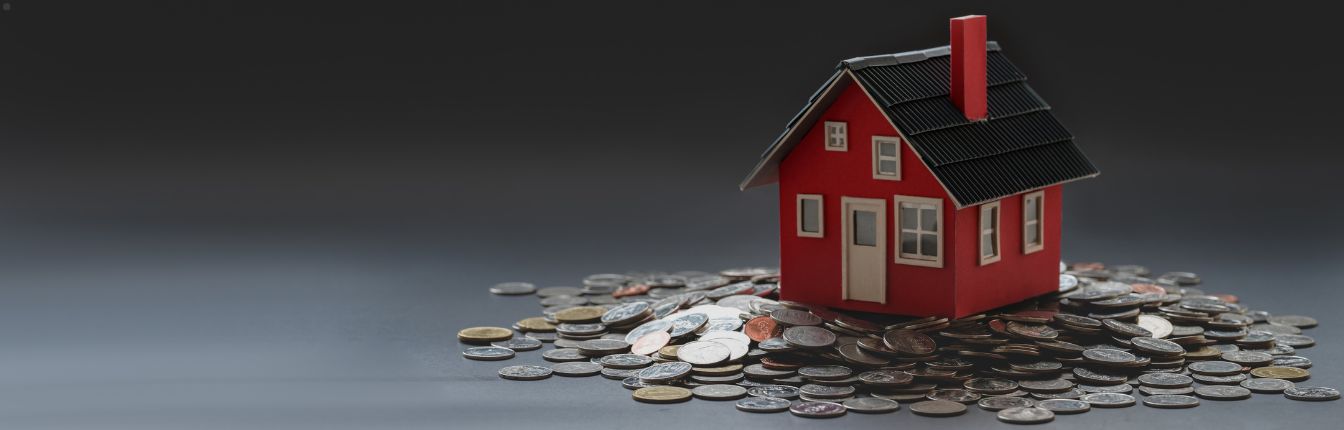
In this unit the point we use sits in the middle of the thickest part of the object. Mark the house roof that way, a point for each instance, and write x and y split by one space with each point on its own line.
1019 147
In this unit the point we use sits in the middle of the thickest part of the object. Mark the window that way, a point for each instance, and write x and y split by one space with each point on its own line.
865 228
886 158
920 238
989 233
1033 220
809 215
837 136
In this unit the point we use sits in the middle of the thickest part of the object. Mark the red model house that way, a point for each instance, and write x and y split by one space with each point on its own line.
922 183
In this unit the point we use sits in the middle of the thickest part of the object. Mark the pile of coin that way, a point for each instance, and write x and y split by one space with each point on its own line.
1106 333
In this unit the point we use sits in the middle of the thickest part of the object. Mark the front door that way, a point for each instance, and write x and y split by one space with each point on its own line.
864 252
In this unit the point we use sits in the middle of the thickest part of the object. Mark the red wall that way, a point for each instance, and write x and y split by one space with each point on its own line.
811 267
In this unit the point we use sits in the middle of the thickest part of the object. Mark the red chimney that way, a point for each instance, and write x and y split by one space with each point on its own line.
968 65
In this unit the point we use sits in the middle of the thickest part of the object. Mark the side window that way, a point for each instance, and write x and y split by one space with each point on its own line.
837 136
919 233
886 158
809 215
1033 222
989 233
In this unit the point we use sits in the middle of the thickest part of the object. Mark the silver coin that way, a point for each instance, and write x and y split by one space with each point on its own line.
563 355
1165 380
576 368
990 385
719 392
1157 346
1117 388
1216 368
625 314
1232 379
817 409
1153 391
1108 400
954 395
525 373
1291 361
704 353
618 374
488 353
1026 415
602 347
626 361
687 323
519 344
775 391
1294 340
1311 394
1108 356
826 391
998 403
825 372
1266 385
1064 406
1248 358
809 337
1293 320
871 405
646 328
665 372
1170 401
513 288
763 404
633 383
1222 392
559 291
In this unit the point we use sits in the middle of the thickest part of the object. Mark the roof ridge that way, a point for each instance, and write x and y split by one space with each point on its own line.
858 63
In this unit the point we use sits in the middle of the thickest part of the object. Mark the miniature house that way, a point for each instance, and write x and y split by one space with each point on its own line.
922 183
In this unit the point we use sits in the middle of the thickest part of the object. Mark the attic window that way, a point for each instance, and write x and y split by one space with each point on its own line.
1033 218
886 158
837 136
989 233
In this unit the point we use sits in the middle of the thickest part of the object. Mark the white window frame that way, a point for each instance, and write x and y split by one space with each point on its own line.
878 141
1038 223
920 203
992 213
821 213
839 131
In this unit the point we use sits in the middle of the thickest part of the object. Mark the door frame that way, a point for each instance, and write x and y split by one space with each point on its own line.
846 236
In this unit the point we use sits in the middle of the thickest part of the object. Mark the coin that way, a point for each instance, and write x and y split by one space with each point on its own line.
483 335
1216 368
519 344
1232 379
601 347
559 291
825 372
809 337
763 404
1108 400
1165 380
1291 361
1031 331
687 323
955 395
626 361
1294 340
1170 401
581 314
1159 326
1311 394
1157 346
1285 373
1126 329
794 317
826 391
885 378
650 343
513 288
1266 385
871 405
703 353
910 343
665 372
817 409
1108 356
1045 385
761 328
775 391
991 385
626 314
563 355
1293 321
534 324
488 353
1064 406
1025 415
719 392
938 408
1222 392
1153 391
662 394
646 328
525 373
1248 358
998 403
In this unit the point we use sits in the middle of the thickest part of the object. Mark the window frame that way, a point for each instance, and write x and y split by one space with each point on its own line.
992 212
843 134
878 141
1039 197
917 259
821 216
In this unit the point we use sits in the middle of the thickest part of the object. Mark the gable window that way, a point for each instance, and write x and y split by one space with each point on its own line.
837 136
886 158
1033 222
989 233
809 215
919 236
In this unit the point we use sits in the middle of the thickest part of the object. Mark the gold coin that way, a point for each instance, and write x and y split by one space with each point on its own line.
1285 373
1203 353
484 334
535 324
662 394
581 314
717 371
669 352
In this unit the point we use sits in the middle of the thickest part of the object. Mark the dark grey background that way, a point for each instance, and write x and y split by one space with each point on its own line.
244 214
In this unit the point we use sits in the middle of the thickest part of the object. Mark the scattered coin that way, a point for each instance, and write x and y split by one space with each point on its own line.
775 391
488 353
1216 368
1222 392
483 335
576 368
1285 373
817 409
719 392
513 288
650 343
763 404
1026 415
665 372
525 373
809 337
1165 380
1108 400
1311 394
1293 321
938 408
871 405
626 361
998 403
703 353
563 355
1170 401
1064 406
519 344
662 394
1266 385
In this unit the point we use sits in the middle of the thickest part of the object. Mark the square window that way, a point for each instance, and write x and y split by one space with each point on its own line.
837 136
920 237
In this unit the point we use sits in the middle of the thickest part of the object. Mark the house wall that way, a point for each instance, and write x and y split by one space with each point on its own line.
1016 276
811 267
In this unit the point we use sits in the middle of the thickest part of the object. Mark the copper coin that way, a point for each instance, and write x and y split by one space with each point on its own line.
650 343
761 328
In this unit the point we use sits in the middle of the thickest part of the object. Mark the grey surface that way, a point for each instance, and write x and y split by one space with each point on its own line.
277 215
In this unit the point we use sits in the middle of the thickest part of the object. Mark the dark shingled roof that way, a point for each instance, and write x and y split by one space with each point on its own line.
1019 147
